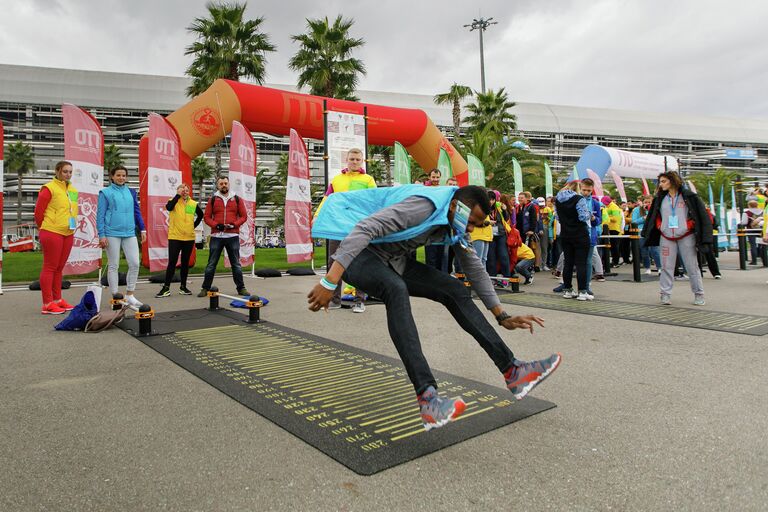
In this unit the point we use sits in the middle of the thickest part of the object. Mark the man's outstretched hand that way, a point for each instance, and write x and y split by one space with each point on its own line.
522 322
318 298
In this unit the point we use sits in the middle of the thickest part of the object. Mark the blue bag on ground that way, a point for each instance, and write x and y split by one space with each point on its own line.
79 316
242 303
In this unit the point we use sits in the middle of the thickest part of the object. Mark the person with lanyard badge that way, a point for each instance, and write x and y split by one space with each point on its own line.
184 216
117 219
678 222
381 229
498 256
56 218
351 178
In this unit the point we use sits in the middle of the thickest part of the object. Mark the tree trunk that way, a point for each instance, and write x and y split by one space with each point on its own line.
456 119
18 197
218 160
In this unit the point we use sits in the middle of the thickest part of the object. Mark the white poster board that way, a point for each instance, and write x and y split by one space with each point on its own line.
345 131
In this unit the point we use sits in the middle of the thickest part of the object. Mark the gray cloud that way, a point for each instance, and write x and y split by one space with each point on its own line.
697 56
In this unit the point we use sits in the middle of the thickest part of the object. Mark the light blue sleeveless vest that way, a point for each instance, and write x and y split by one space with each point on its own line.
342 211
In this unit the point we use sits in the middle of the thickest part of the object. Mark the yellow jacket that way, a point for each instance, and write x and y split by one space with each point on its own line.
615 215
346 181
485 234
525 253
181 220
61 213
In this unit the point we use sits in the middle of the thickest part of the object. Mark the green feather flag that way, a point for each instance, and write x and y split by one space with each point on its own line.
444 164
548 180
402 166
476 170
518 175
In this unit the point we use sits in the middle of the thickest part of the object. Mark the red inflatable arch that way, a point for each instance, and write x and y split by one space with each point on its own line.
207 119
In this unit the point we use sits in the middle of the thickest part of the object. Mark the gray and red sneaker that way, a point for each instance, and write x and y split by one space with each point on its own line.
523 376
436 411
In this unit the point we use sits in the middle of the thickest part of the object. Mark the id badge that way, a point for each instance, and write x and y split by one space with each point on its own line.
672 224
72 223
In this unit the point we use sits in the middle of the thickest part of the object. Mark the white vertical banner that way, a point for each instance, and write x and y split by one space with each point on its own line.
163 176
298 203
242 181
84 147
345 131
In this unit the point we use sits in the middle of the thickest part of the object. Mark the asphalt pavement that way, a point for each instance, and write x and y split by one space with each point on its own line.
648 417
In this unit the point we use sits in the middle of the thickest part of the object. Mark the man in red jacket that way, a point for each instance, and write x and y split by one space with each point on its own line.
224 213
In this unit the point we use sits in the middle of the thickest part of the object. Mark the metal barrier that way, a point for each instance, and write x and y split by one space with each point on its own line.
741 235
253 303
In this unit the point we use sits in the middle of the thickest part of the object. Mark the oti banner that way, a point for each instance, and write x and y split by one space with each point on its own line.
476 170
163 177
242 181
402 166
84 147
298 203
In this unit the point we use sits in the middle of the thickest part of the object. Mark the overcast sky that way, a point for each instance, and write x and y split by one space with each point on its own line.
695 56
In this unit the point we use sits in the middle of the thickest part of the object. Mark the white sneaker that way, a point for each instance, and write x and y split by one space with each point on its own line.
133 301
359 308
698 300
648 272
585 296
570 294
666 300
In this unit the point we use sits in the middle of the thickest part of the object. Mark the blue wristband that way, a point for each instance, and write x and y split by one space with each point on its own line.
327 284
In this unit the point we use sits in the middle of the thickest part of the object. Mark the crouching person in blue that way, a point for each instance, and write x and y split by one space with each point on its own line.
380 229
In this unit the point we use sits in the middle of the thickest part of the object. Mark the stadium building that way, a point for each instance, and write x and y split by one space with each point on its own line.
31 98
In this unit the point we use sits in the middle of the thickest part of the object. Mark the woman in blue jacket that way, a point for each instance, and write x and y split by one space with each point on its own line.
118 218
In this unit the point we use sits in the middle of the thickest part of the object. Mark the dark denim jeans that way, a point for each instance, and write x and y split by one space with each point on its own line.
498 257
418 280
216 246
575 249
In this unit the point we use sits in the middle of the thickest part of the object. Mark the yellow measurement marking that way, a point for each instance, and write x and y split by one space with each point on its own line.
330 383
479 411
393 388
288 360
415 421
404 403
319 386
302 369
409 434
275 358
366 382
385 419
336 369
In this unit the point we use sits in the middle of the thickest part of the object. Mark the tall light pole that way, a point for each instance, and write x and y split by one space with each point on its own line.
481 25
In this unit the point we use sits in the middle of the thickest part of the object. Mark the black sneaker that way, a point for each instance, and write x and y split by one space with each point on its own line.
184 291
203 293
243 291
164 292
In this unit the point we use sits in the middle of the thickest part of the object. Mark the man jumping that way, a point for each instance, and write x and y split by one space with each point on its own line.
380 229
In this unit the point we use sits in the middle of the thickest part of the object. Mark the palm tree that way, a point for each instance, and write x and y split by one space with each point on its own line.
380 168
324 59
454 97
227 46
20 158
201 171
112 157
491 109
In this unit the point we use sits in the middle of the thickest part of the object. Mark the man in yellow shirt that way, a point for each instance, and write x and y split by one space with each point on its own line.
353 177
525 259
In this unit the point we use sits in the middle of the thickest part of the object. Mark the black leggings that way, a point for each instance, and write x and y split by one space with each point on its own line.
174 248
